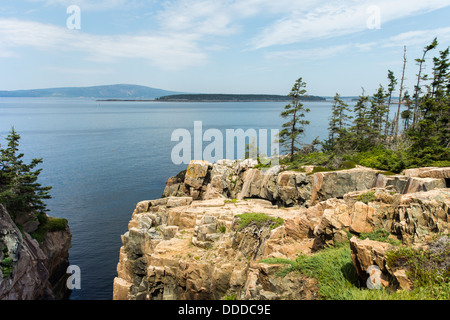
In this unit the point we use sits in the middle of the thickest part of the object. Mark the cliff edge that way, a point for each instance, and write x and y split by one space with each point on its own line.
32 270
210 234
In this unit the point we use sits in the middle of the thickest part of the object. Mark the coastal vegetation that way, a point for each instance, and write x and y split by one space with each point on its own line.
337 280
417 134
21 193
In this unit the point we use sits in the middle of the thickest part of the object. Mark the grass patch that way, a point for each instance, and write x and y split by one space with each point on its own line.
380 235
259 219
332 267
367 197
48 224
337 279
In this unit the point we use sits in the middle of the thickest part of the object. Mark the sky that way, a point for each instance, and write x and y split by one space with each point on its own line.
218 46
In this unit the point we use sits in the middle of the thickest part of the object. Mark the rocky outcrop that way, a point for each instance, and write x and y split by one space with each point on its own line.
228 179
195 251
177 248
30 270
208 240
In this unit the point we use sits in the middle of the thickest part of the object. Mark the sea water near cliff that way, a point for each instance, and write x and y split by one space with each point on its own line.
103 157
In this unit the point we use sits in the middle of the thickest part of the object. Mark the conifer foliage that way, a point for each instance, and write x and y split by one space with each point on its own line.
416 132
295 113
20 192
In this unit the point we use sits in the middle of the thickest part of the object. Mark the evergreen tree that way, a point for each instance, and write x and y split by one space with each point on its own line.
417 88
441 74
339 121
391 89
408 113
377 114
360 126
19 190
295 112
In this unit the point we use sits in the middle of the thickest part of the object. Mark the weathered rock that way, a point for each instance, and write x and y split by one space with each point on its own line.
197 176
175 186
428 172
336 184
368 253
37 270
415 184
191 247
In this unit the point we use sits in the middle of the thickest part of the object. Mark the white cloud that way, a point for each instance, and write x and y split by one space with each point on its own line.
168 51
419 37
309 54
416 39
90 5
329 19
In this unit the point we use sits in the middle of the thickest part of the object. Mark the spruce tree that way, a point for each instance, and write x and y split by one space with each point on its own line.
417 88
19 190
295 112
391 89
377 113
338 122
360 126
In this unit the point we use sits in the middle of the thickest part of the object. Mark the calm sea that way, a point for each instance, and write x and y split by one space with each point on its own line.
103 157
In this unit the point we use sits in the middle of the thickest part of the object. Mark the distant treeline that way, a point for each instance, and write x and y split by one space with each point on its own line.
232 98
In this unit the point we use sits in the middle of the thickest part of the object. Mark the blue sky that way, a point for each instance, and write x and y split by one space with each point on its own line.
218 46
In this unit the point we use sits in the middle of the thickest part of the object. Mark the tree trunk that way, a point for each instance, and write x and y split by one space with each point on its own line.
401 92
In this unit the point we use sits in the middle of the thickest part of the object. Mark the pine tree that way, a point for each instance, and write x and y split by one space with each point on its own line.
391 89
339 121
377 113
19 190
408 113
360 126
295 112
417 88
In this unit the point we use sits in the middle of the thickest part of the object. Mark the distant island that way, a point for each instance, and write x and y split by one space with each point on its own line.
232 98
136 93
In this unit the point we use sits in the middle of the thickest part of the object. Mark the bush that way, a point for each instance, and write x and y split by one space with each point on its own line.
426 268
367 197
259 219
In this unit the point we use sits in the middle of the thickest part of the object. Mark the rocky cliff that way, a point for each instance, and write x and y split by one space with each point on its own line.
31 270
206 237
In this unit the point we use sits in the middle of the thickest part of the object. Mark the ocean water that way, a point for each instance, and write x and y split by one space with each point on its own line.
101 158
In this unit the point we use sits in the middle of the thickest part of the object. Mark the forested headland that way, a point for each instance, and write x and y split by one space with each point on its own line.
377 132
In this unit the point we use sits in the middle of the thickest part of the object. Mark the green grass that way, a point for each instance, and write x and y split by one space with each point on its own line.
367 197
337 279
380 235
259 219
48 224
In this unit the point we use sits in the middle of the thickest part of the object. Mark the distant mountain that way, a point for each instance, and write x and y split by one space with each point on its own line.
117 91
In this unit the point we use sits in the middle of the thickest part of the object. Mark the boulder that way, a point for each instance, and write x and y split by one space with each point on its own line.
175 186
367 254
335 184
428 172
197 175
415 184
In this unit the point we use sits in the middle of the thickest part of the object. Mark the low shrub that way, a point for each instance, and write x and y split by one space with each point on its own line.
259 219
